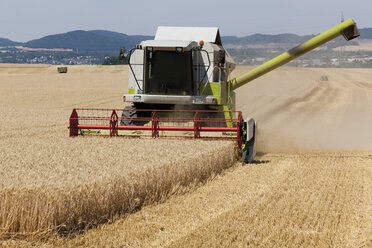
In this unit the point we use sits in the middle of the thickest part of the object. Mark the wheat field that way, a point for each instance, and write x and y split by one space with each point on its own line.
309 187
51 183
76 189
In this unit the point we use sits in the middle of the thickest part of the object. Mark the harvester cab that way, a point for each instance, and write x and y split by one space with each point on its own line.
181 66
180 87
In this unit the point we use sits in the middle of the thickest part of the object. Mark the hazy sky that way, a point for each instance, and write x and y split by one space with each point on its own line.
23 20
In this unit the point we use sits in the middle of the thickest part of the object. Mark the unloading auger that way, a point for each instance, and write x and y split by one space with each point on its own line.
179 87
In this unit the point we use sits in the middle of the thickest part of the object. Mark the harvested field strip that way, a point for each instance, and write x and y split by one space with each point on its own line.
320 202
284 200
47 192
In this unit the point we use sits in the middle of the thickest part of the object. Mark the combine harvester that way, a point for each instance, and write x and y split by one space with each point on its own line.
180 87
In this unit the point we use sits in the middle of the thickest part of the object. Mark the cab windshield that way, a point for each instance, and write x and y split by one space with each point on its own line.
168 73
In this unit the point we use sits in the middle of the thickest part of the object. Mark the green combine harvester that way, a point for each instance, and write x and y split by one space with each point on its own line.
180 87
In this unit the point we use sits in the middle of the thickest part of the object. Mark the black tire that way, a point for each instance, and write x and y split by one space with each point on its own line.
130 112
250 151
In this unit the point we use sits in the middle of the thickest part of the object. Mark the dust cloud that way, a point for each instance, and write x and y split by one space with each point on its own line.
297 112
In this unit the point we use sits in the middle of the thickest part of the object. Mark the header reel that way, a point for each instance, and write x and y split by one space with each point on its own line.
169 124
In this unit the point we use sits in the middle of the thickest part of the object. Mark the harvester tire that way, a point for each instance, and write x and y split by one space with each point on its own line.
249 151
129 113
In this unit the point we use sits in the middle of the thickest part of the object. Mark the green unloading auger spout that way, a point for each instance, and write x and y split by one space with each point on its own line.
348 29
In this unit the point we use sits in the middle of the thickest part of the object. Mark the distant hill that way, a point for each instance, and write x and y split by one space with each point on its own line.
366 33
7 42
256 39
96 40
137 38
286 39
103 40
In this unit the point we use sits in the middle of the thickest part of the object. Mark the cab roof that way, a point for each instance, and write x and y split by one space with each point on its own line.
170 44
207 34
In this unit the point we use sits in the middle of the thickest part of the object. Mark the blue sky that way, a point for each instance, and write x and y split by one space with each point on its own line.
23 20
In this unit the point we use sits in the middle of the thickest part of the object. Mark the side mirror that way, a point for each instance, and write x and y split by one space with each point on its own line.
221 57
122 53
